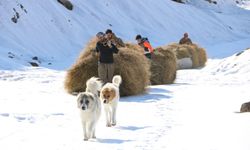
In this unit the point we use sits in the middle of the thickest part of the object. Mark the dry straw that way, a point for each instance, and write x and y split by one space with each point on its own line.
163 66
193 51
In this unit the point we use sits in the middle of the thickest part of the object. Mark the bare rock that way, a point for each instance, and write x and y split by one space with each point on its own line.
35 58
66 3
178 1
245 107
14 19
34 64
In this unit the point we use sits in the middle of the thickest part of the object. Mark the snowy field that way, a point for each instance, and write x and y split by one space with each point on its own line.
198 112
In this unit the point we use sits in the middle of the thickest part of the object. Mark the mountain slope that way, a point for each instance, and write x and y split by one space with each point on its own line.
56 35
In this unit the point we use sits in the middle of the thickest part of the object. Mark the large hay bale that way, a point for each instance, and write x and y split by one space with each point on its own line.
187 53
202 55
89 49
193 52
135 47
134 69
163 66
79 73
130 64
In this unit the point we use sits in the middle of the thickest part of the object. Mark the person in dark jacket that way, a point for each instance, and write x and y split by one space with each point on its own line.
105 50
143 42
185 39
114 39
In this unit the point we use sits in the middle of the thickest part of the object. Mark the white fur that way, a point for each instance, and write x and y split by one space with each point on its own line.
110 108
90 113
117 80
93 85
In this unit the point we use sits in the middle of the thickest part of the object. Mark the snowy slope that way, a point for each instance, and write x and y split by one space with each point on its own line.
56 35
198 112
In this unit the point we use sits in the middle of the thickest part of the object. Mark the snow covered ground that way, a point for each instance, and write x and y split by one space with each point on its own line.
198 112
245 5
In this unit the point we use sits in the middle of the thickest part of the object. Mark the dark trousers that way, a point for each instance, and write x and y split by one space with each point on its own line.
106 71
148 55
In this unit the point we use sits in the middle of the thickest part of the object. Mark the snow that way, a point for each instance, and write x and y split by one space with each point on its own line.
200 111
245 5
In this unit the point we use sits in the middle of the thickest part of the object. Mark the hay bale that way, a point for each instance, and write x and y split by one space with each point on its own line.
134 69
163 66
202 55
185 52
135 47
79 73
193 52
130 64
89 49
66 3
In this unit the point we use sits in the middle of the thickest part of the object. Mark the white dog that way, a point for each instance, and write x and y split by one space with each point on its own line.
110 96
90 107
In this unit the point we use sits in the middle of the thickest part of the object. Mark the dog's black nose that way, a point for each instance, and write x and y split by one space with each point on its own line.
105 101
83 108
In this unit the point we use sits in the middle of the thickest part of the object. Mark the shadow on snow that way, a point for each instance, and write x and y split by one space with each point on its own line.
152 94
131 128
113 141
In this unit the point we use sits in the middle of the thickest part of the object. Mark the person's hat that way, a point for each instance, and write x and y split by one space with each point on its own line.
108 31
138 37
100 34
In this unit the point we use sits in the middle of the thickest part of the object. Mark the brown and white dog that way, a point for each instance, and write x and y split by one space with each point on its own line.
110 96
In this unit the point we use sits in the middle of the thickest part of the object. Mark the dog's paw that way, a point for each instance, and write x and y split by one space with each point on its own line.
113 124
85 139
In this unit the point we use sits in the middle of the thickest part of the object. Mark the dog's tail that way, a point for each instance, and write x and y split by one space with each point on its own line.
117 80
93 85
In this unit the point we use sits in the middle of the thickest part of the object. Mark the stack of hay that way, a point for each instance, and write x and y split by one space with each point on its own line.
188 56
163 64
129 63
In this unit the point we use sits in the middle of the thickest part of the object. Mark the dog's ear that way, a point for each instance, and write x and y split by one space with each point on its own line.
113 93
79 98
